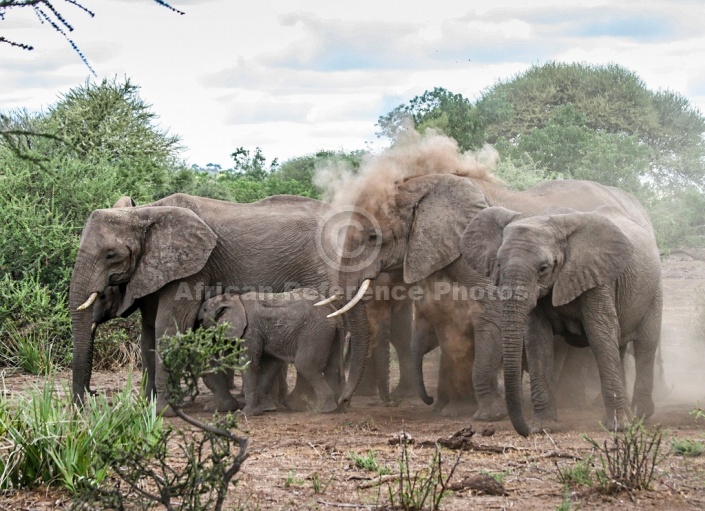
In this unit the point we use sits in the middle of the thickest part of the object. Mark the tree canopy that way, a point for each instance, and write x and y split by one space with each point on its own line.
580 121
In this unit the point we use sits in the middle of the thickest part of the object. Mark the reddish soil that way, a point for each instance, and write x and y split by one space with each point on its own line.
291 452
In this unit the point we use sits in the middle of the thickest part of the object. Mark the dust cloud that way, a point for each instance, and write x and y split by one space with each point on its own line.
414 154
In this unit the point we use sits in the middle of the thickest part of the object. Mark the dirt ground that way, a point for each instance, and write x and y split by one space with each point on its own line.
303 460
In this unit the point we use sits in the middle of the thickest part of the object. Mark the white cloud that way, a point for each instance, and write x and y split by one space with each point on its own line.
296 76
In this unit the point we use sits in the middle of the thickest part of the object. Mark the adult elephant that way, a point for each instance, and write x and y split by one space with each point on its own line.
415 225
594 276
170 254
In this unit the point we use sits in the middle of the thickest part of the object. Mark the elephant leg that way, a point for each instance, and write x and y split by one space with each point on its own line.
491 405
333 373
645 355
538 337
270 383
400 337
222 400
381 357
147 349
251 382
444 384
458 348
602 331
298 399
571 374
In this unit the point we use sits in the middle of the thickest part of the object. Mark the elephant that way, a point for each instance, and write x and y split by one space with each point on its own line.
594 277
415 224
285 327
170 254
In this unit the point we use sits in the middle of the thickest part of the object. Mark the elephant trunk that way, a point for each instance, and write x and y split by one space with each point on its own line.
418 351
81 322
359 344
514 316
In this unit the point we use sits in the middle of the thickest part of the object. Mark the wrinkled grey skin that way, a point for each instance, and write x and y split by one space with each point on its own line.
594 278
170 253
286 327
421 221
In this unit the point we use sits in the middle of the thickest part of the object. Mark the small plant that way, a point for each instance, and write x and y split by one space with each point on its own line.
578 474
629 459
368 462
423 489
292 480
698 412
687 447
318 487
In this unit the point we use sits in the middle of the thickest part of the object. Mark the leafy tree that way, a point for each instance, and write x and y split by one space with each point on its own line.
449 113
596 122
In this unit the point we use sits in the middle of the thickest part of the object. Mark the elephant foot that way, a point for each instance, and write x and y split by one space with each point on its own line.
618 420
329 406
491 410
458 409
643 408
439 405
252 411
296 402
229 404
165 408
267 404
539 426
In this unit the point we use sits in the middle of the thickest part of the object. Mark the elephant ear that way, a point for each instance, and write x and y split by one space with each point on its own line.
596 253
443 206
483 237
176 244
232 312
124 202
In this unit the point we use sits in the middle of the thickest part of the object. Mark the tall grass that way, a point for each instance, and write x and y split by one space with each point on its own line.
46 440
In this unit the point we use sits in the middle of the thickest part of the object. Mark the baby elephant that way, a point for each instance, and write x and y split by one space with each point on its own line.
288 327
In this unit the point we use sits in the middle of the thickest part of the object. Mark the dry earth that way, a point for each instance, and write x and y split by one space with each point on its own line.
289 452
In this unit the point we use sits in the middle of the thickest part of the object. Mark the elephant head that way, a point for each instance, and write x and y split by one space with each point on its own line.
557 255
141 249
227 309
415 227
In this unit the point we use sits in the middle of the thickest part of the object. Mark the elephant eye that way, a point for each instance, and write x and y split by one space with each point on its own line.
543 269
372 237
110 255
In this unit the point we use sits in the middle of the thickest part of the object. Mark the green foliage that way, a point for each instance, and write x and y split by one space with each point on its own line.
181 470
191 355
34 327
577 474
523 174
367 462
292 480
685 447
423 489
47 441
440 109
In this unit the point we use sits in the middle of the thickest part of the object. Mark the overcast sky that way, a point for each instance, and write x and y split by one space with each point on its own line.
297 76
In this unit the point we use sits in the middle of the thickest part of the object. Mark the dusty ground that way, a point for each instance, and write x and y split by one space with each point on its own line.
292 454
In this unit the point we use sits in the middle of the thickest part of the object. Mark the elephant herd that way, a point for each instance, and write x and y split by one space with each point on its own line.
504 282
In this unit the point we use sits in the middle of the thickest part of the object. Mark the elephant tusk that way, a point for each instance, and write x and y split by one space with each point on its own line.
94 325
88 302
353 302
326 301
